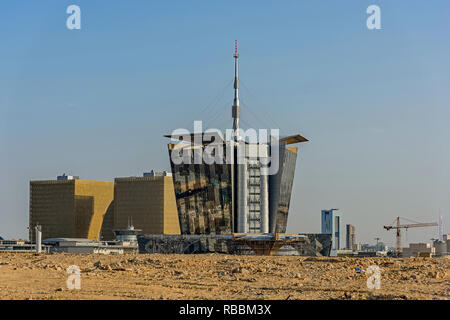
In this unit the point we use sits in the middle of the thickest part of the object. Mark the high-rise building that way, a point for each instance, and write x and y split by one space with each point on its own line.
69 207
331 224
236 192
350 237
149 202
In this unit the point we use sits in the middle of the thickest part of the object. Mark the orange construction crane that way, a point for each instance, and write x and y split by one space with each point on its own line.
399 226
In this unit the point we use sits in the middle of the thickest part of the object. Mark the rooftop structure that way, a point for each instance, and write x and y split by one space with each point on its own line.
128 234
157 174
66 177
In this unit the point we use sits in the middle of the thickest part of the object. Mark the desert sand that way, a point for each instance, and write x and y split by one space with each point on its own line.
215 276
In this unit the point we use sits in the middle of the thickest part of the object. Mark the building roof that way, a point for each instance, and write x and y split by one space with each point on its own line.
209 137
67 239
202 138
294 139
67 181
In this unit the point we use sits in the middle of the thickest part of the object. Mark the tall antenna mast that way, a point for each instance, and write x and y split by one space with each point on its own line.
236 110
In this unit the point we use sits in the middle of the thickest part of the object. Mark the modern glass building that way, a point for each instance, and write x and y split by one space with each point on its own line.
236 192
280 188
203 194
212 200
233 194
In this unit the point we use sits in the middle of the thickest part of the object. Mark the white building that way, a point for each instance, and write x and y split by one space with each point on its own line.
86 246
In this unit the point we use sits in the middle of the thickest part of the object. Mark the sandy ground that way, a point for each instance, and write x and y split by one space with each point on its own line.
214 276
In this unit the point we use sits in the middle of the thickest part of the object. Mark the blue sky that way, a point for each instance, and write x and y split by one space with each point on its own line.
95 102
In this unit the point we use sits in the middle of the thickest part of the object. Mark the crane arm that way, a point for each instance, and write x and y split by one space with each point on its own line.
406 226
431 224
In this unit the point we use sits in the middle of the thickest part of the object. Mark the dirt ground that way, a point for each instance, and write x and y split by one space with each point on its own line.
215 276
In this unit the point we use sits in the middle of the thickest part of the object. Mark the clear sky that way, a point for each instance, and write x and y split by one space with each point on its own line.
95 102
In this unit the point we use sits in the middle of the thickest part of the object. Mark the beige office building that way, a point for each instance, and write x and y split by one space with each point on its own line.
69 207
148 201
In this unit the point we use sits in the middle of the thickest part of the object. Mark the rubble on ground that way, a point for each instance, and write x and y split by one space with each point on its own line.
217 276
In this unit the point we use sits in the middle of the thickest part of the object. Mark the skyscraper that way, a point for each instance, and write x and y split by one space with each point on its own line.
240 191
331 224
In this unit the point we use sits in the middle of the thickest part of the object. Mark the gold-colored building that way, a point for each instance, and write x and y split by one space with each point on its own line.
148 201
70 208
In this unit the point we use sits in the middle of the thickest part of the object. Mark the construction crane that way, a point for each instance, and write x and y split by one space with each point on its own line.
399 226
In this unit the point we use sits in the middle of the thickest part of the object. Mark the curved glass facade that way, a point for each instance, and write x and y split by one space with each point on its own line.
203 194
280 189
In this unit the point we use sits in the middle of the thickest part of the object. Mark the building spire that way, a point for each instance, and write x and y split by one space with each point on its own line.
236 110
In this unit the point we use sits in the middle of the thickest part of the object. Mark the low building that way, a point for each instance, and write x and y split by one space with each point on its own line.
87 246
441 248
367 254
446 239
345 253
238 243
418 249
20 246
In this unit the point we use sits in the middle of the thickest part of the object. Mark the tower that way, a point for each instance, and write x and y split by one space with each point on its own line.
236 108
239 168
